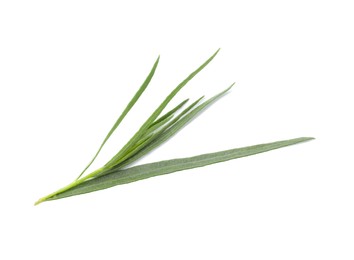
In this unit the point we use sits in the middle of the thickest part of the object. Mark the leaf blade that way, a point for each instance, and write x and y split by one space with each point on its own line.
145 171
124 113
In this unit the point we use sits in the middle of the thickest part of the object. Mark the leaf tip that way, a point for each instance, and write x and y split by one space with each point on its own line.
226 90
217 51
157 60
304 139
308 138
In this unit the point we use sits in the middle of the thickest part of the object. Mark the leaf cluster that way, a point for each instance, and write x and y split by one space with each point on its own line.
156 130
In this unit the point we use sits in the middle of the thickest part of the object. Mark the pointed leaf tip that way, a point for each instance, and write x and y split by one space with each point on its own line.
217 51
308 138
233 84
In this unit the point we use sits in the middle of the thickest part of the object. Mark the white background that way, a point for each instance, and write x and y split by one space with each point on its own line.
68 68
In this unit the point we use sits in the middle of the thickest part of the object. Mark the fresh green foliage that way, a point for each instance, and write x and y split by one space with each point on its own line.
154 132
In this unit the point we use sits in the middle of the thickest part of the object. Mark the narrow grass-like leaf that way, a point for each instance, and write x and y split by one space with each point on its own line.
145 171
125 112
155 114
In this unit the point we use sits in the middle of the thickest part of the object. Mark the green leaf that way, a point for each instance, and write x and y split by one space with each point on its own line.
125 112
145 171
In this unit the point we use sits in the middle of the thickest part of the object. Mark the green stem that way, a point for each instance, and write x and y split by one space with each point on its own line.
69 186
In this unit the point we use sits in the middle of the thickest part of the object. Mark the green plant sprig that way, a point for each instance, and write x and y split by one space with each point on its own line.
155 131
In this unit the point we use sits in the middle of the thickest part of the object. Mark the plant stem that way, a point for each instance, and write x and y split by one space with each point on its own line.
69 186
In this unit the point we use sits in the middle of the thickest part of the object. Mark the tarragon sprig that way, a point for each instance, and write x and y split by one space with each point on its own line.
156 130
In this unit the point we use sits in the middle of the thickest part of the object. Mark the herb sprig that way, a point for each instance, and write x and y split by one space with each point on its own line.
156 130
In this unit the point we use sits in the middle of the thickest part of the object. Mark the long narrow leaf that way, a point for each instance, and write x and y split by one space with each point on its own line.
169 166
125 112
